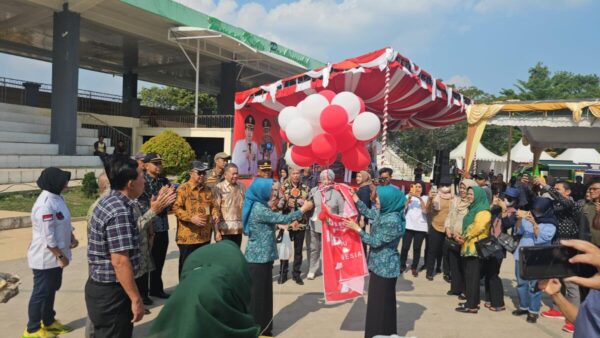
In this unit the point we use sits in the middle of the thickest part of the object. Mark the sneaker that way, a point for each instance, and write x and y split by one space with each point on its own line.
41 333
532 318
555 314
569 327
58 328
310 276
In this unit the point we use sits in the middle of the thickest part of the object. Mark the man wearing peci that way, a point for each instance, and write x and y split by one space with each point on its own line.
245 151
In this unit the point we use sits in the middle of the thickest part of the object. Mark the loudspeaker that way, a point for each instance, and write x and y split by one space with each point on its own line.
441 169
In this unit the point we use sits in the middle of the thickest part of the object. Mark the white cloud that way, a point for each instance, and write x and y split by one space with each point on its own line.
460 81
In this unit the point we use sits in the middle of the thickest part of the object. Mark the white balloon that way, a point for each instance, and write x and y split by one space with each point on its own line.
350 102
286 115
366 126
312 106
299 131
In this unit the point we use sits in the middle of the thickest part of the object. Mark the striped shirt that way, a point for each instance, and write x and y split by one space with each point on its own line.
112 229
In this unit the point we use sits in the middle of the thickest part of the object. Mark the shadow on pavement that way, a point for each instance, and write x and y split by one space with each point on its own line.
300 308
77 324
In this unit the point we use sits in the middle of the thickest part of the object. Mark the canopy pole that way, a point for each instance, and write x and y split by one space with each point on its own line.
385 114
197 80
508 160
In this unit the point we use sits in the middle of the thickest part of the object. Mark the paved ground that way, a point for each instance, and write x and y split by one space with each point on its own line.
423 308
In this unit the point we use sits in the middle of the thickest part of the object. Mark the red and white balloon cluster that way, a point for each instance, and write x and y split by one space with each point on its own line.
325 124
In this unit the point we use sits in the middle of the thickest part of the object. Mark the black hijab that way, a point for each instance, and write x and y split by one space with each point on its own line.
53 180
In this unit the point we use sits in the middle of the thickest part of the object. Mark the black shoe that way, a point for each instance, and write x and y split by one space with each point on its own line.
465 310
532 318
402 269
519 312
465 303
447 279
298 280
147 301
423 267
415 273
282 278
161 295
462 297
429 278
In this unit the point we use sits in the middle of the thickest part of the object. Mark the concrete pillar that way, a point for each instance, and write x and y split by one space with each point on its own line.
32 92
65 80
130 102
225 100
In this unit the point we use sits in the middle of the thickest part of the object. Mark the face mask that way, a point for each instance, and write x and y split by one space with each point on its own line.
537 213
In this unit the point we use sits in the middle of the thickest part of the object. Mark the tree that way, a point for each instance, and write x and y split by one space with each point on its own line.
177 99
176 153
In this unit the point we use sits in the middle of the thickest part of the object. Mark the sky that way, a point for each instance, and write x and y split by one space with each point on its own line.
486 43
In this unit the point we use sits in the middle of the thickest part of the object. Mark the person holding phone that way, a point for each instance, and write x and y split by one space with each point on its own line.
536 227
416 227
587 317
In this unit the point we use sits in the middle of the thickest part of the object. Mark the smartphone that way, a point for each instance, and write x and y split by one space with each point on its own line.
175 186
544 262
413 189
434 189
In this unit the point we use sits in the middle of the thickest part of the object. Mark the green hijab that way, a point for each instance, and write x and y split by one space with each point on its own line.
480 203
391 199
212 299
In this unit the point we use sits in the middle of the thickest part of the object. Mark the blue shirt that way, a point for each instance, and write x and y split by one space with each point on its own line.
262 246
587 323
113 228
386 231
151 188
544 237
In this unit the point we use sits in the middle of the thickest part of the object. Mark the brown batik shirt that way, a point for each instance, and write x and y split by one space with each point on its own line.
193 200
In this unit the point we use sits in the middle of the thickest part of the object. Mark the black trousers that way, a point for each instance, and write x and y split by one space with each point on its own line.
435 248
409 236
142 285
381 307
261 300
237 239
445 260
109 309
297 237
457 274
472 268
185 250
494 291
41 304
159 253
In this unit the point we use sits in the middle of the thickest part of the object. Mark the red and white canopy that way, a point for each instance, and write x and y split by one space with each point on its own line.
416 99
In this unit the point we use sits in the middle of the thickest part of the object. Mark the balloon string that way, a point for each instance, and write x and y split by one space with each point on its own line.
385 114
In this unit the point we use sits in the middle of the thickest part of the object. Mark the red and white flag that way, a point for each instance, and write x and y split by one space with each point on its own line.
344 264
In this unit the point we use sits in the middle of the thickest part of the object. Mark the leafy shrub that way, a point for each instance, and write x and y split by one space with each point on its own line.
89 185
176 153
183 177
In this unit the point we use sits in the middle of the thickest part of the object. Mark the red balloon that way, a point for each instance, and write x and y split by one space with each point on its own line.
329 94
283 135
345 139
324 146
303 156
326 163
333 119
356 159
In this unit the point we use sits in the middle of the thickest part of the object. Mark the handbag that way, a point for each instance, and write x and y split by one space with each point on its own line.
488 247
452 245
508 242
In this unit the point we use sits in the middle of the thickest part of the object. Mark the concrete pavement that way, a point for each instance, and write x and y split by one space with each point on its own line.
424 310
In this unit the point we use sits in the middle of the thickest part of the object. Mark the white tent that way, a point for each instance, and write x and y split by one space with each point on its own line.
486 160
521 153
580 155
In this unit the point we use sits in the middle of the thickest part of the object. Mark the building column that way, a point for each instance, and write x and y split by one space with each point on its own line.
65 80
130 104
225 100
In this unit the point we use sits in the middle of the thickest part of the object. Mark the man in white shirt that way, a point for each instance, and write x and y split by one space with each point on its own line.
245 151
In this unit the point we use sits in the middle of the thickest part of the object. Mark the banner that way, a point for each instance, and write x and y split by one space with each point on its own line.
344 264
255 137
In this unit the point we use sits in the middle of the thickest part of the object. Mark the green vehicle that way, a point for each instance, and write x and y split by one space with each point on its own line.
561 170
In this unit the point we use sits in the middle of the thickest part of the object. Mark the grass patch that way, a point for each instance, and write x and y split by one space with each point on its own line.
76 200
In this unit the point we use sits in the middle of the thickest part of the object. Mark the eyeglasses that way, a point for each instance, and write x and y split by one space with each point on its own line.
594 188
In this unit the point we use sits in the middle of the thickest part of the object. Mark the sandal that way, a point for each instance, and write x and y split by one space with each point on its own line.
487 305
465 310
497 309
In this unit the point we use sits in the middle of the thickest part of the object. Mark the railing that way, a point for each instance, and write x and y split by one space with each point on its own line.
187 121
115 135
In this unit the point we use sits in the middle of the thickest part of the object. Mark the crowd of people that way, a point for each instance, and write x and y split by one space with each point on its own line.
128 239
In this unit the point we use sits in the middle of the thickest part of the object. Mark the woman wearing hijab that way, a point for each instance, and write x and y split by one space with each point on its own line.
212 298
476 226
259 225
536 227
458 210
49 252
387 227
